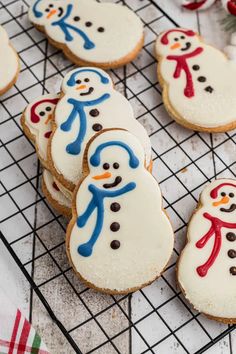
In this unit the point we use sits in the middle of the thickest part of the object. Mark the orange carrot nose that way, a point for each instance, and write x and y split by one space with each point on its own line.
103 176
48 119
51 13
224 200
81 87
175 46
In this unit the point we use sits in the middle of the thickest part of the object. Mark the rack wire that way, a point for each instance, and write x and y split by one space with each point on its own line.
156 319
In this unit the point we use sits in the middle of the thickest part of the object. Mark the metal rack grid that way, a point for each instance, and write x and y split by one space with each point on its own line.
156 319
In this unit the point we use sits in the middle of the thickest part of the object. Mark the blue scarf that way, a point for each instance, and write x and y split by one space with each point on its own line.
67 28
97 202
74 148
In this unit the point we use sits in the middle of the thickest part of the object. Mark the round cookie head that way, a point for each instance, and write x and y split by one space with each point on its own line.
220 197
114 157
46 11
88 83
41 111
177 41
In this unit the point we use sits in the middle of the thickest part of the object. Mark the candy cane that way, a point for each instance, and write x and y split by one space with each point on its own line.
229 6
193 5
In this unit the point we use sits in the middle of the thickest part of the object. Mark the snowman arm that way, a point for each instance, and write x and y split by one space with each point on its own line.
99 100
82 219
66 126
201 243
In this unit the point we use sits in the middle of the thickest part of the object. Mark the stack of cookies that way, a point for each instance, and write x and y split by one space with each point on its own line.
97 163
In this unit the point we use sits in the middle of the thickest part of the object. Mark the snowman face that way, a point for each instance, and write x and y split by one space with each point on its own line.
87 84
115 157
226 200
49 11
111 172
41 114
177 43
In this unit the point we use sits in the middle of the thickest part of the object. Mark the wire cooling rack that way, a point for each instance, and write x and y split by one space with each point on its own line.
156 319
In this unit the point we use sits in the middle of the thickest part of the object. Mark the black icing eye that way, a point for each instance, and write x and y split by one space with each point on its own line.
88 24
78 81
42 113
106 166
176 39
76 18
231 195
47 10
51 5
101 29
48 109
223 194
116 165
182 37
86 80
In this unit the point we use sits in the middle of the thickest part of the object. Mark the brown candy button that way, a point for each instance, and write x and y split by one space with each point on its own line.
115 207
233 270
94 112
201 79
115 244
97 127
232 253
231 236
115 226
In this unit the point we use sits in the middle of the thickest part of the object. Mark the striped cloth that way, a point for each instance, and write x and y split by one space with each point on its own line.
17 336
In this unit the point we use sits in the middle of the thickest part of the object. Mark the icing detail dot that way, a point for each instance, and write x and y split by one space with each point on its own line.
101 29
201 79
115 207
115 226
232 253
115 244
231 195
231 236
209 89
88 24
106 166
48 109
97 127
76 18
196 67
94 112
223 194
42 114
116 165
87 79
233 270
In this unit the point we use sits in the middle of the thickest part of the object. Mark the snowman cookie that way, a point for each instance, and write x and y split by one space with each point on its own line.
119 238
9 63
37 123
198 81
54 195
105 35
207 265
89 104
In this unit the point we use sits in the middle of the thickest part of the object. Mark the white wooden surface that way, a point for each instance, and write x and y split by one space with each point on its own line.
11 277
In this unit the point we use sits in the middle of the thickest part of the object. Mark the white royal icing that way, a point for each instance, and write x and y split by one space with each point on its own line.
214 292
38 118
54 190
9 62
93 32
207 97
145 234
110 109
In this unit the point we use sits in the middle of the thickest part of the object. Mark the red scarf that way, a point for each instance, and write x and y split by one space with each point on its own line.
215 229
183 65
